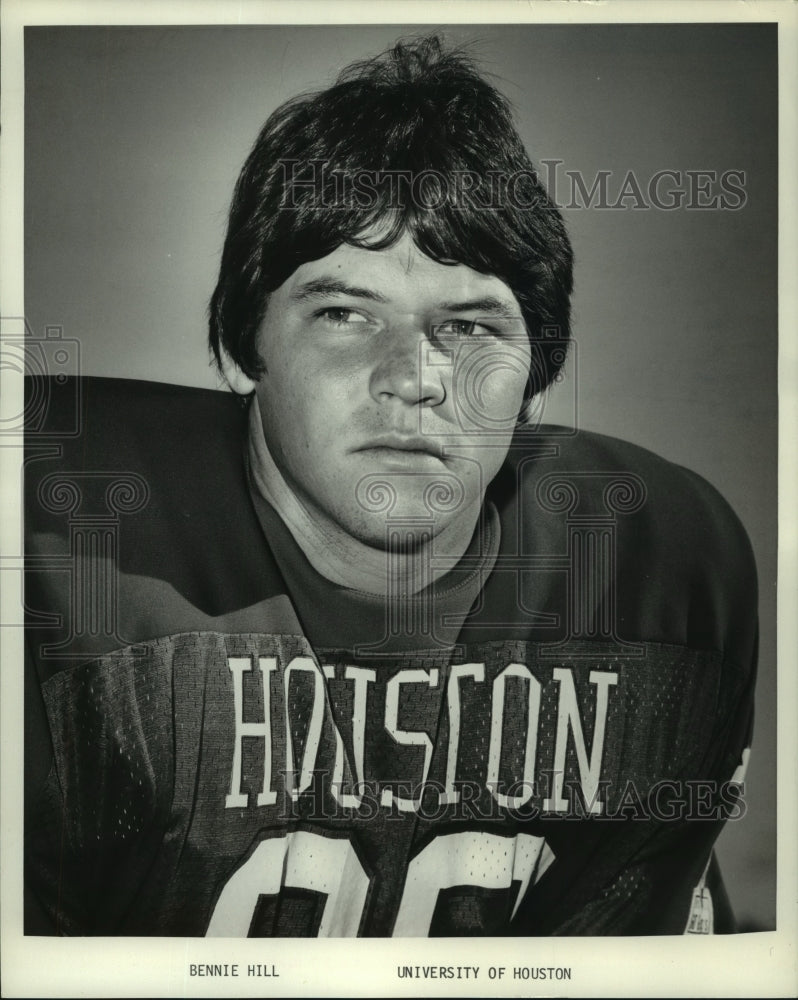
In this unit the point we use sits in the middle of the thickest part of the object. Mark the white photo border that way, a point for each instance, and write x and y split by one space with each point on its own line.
755 964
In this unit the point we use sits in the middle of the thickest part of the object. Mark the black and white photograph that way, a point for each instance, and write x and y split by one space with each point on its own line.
392 501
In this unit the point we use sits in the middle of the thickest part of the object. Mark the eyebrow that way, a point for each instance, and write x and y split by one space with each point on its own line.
319 287
488 305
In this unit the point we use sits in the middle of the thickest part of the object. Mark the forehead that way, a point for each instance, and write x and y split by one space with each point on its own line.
395 274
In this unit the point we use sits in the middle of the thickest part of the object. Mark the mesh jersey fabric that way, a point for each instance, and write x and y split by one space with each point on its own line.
219 741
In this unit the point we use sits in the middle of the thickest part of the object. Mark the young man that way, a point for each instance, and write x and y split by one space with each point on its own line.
374 653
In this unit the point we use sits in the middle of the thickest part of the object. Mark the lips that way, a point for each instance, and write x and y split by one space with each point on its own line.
411 444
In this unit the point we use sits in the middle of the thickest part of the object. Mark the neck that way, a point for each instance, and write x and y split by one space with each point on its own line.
337 555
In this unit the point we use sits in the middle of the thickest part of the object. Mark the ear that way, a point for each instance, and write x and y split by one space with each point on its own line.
234 376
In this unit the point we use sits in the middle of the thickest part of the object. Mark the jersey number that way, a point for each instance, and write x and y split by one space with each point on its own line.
311 862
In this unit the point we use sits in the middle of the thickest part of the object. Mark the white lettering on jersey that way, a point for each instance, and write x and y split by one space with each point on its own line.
470 858
512 791
701 919
568 718
497 733
299 860
738 778
404 737
476 670
239 665
330 866
362 678
304 663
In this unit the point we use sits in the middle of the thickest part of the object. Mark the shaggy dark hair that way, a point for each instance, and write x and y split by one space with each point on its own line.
413 140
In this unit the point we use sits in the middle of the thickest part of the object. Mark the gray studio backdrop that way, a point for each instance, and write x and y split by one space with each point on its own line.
134 137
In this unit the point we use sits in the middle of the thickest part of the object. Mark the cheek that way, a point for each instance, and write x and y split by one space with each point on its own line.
489 388
300 416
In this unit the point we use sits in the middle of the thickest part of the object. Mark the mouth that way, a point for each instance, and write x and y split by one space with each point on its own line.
403 449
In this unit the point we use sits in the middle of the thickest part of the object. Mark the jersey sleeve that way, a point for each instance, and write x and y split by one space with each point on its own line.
661 872
685 582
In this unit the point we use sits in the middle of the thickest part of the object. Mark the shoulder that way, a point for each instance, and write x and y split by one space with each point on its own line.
616 477
146 482
158 432
683 565
162 457
109 415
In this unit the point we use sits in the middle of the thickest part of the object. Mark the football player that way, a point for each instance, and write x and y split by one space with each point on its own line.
361 647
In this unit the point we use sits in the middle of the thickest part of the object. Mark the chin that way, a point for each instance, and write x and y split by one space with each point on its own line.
432 500
403 533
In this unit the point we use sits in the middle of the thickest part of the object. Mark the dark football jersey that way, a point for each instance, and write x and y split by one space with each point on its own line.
547 740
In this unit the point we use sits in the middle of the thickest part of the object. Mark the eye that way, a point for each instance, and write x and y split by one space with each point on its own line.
458 328
340 317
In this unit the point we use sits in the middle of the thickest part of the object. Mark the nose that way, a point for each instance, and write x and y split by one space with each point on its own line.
409 368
